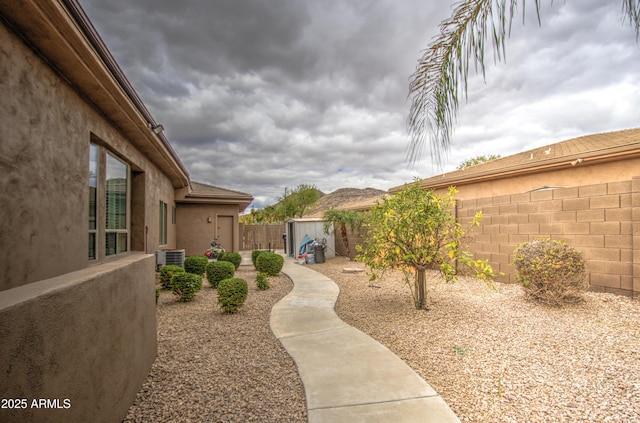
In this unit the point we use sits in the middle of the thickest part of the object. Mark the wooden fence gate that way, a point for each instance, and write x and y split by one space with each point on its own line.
261 237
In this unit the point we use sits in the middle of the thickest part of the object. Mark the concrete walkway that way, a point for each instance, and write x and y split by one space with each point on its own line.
347 375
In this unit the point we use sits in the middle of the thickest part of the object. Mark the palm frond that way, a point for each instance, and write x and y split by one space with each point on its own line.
631 11
441 73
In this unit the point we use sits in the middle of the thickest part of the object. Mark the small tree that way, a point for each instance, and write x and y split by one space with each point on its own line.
415 231
342 219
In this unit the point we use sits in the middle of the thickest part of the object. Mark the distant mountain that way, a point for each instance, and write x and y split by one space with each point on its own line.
342 197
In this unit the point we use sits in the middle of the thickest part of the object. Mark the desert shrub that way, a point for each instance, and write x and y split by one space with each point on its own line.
254 256
550 271
166 273
269 263
195 264
232 257
262 281
220 255
185 285
219 270
232 293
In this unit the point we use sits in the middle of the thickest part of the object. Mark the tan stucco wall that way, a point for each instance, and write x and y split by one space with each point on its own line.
71 328
44 162
569 176
195 232
87 336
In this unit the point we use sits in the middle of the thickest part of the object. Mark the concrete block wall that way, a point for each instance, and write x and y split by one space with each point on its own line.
602 221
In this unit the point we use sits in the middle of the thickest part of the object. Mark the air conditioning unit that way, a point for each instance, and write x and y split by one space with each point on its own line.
164 257
161 258
175 257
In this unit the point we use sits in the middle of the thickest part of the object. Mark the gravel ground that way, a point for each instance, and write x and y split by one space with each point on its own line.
493 356
213 367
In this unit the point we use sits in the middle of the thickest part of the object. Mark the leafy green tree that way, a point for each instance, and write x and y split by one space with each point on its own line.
297 202
477 160
293 203
442 70
342 219
415 231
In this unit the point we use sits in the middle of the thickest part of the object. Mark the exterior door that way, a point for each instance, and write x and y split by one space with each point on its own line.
225 232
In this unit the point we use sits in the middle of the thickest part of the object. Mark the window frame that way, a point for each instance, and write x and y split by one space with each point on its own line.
94 176
112 234
163 229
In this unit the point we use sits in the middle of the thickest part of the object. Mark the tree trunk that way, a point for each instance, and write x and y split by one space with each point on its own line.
345 239
421 289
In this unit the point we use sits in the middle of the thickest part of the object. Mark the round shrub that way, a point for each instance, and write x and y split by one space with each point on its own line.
185 285
220 255
269 263
262 281
219 270
232 293
232 257
254 256
166 273
550 271
195 264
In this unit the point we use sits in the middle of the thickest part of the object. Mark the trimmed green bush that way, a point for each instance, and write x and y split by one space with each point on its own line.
269 263
262 281
220 255
185 285
550 271
195 264
232 257
254 256
219 270
166 273
232 293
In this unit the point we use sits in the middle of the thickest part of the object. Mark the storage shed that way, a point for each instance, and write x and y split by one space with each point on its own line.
298 229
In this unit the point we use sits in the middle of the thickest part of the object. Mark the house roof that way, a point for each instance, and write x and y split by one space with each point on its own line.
62 34
210 194
581 151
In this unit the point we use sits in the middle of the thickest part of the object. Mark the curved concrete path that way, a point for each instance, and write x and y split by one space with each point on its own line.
347 375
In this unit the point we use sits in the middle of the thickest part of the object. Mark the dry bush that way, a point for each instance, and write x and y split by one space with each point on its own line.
550 271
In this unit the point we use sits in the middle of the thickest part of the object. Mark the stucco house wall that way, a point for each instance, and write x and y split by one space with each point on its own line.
71 327
207 212
200 224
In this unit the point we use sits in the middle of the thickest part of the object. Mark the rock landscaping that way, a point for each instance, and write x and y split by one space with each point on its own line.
218 367
496 357
492 355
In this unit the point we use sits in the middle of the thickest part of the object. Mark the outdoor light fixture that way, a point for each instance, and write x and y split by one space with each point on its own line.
575 162
209 219
156 128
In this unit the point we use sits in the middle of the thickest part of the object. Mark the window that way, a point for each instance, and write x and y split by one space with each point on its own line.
93 196
163 223
109 198
116 231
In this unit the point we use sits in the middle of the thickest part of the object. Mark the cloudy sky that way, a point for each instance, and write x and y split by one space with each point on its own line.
259 95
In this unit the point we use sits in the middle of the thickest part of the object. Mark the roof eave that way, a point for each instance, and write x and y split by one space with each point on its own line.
588 159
